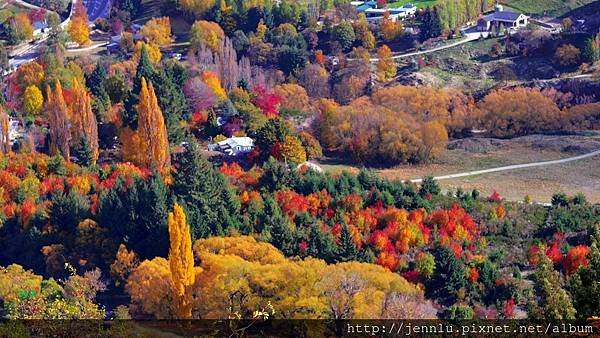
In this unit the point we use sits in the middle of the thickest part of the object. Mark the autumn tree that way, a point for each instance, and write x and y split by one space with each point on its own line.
20 28
4 132
78 28
206 33
30 73
434 138
152 129
315 79
390 29
125 262
84 127
58 121
567 55
293 96
32 100
153 50
520 111
181 262
157 31
292 150
363 33
386 67
197 7
555 303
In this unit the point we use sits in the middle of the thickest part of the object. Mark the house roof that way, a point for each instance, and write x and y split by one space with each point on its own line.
502 16
237 141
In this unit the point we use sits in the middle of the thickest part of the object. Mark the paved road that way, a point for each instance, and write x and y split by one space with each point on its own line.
467 38
28 51
513 167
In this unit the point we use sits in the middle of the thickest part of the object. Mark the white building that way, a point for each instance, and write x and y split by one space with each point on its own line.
376 14
501 18
233 146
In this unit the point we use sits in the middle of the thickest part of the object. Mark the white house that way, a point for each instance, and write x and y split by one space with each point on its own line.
233 146
500 17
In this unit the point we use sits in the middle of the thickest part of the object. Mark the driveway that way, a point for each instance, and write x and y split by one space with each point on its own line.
468 37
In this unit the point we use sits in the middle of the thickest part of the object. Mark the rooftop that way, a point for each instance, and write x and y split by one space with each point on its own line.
502 16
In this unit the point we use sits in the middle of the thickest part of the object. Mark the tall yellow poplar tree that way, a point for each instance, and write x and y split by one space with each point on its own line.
83 120
4 132
58 121
181 262
152 129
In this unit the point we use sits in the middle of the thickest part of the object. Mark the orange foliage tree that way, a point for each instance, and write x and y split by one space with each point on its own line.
149 146
58 121
83 120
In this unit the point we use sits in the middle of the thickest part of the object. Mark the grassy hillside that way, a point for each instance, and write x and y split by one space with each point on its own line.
546 7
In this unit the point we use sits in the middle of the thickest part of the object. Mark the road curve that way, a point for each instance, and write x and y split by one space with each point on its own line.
513 167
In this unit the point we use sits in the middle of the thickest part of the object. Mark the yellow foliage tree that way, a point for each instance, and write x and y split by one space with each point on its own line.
78 28
293 96
197 7
292 150
125 262
206 33
32 100
212 81
157 31
152 130
234 281
181 262
152 49
83 120
386 67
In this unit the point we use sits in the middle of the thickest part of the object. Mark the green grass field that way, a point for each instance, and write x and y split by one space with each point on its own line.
546 7
418 3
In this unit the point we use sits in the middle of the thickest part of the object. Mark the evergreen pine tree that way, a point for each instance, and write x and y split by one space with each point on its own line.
169 90
320 245
348 251
95 82
83 153
212 208
144 70
276 223
449 276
